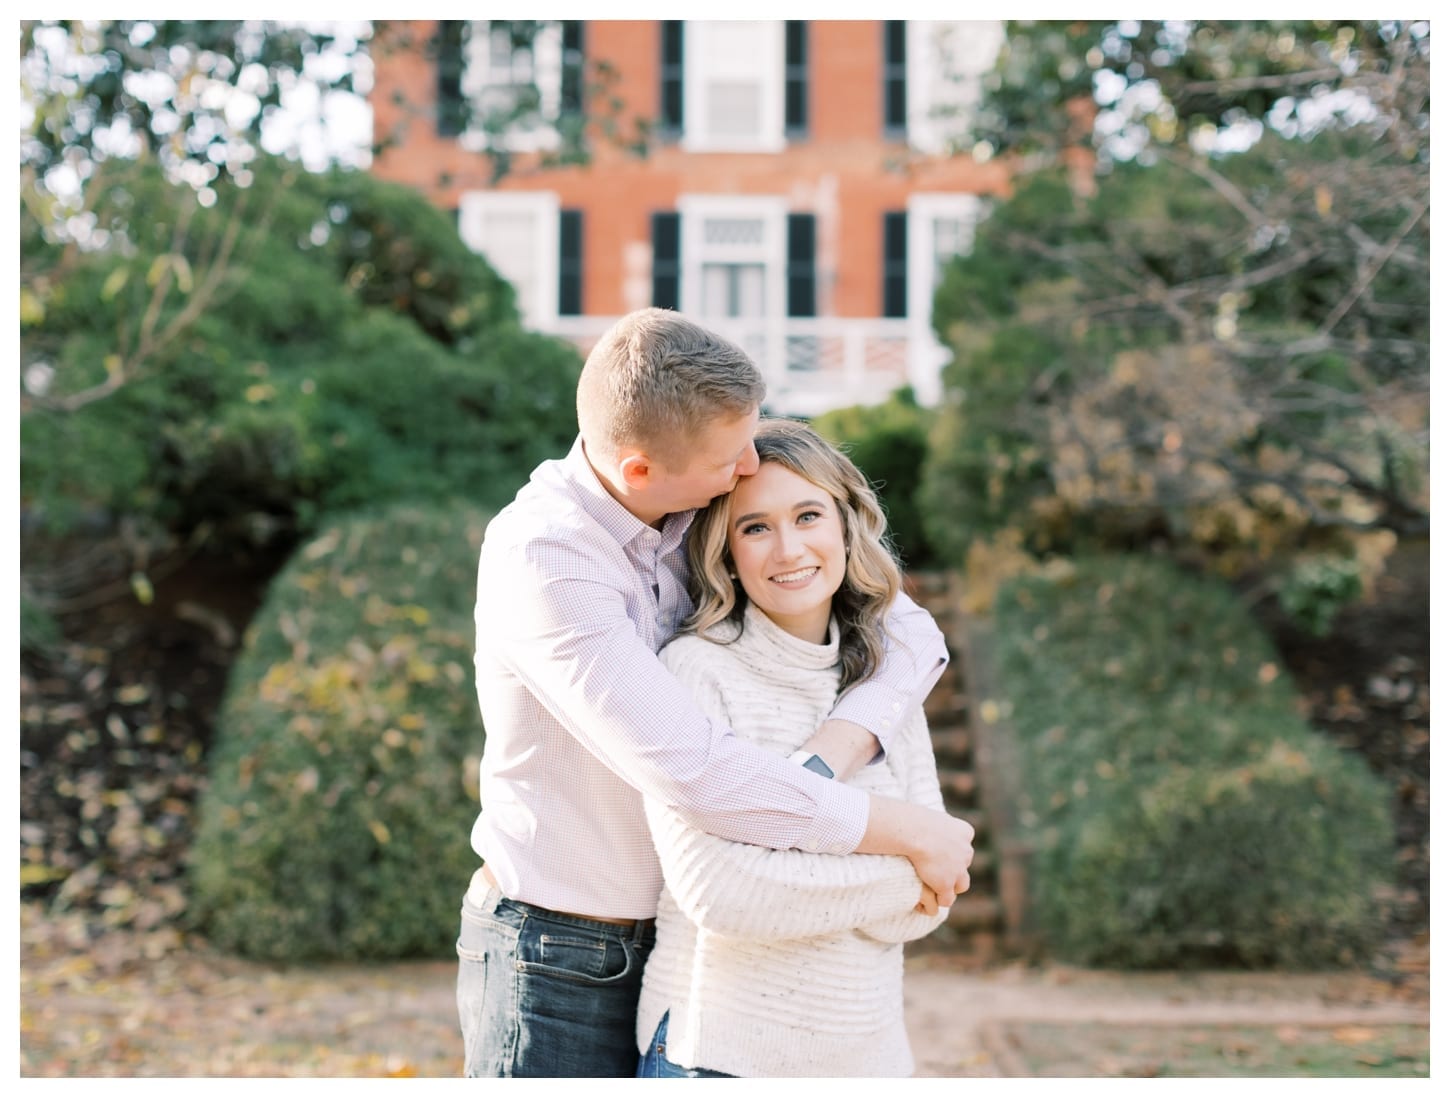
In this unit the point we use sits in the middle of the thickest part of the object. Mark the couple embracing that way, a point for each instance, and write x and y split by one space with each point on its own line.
710 811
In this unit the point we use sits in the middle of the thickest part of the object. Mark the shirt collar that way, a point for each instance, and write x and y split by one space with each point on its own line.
613 516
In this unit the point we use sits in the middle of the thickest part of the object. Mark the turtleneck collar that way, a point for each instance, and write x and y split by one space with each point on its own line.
776 643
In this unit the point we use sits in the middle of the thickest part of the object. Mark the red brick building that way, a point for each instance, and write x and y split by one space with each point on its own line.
799 193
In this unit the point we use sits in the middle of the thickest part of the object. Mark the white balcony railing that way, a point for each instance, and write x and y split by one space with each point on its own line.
814 364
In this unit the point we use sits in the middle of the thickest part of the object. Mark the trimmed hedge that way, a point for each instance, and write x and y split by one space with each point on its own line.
1183 812
343 781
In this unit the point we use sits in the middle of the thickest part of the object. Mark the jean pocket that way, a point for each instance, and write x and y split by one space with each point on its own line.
576 958
483 929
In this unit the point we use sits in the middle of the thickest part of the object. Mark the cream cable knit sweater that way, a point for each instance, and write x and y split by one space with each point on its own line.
782 962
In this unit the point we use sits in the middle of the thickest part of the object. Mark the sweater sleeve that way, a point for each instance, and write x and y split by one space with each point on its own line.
754 892
923 787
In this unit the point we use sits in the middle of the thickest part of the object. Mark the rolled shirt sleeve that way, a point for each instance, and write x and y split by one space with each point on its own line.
916 657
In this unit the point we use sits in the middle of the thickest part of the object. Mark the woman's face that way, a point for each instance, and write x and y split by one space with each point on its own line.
789 548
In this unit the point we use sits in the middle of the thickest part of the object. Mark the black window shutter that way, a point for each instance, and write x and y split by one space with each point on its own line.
571 262
665 235
448 46
672 77
893 265
895 74
797 80
800 265
571 87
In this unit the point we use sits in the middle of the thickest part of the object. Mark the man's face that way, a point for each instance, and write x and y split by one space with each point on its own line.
719 456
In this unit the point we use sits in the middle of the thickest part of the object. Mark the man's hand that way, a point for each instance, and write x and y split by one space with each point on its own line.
927 905
939 845
943 857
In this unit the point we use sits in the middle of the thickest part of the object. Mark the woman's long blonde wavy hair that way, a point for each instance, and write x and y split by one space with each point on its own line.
873 576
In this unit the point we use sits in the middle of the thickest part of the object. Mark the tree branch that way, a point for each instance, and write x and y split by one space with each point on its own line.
1253 83
1226 190
1368 275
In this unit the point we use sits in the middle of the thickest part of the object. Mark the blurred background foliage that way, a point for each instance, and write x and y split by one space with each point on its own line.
1201 321
221 375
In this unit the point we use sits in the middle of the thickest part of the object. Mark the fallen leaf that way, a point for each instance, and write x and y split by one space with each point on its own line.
1353 1035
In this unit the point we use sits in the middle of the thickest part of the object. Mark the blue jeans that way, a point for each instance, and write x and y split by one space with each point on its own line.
547 995
654 1065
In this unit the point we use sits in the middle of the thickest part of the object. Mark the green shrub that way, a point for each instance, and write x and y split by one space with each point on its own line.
1184 813
888 443
341 793
1315 590
359 353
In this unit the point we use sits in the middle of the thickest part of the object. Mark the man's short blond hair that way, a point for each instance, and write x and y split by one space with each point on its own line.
655 380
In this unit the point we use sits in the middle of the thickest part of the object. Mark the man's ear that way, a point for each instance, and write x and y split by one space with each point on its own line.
635 469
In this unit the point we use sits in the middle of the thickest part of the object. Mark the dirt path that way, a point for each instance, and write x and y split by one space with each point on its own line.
151 1005
965 1023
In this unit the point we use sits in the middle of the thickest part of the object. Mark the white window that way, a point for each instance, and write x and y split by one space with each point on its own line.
732 256
945 62
732 266
939 227
515 77
518 233
734 86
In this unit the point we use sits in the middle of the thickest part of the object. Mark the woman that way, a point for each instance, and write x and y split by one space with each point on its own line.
783 962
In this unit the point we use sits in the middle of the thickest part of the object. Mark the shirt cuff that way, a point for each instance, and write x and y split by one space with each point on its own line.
876 707
840 822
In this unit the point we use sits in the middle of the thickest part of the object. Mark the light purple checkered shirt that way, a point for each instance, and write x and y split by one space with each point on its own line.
575 597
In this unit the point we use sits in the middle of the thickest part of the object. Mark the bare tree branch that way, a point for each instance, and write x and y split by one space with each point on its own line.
207 294
1369 273
1226 190
1253 83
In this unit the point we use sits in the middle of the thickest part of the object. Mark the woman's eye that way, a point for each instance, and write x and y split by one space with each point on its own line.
754 528
808 516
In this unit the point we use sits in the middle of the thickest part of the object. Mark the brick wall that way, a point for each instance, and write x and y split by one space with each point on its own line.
844 173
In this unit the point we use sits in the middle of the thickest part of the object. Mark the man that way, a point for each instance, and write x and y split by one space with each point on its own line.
581 581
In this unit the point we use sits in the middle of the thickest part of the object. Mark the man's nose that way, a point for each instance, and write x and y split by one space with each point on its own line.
749 462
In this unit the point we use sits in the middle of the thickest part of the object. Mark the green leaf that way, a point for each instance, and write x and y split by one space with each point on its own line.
115 283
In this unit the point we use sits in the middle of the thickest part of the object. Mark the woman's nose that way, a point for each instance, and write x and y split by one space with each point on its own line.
788 544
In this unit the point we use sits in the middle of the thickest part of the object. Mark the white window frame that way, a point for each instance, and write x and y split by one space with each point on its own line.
945 61
548 64
922 212
695 252
541 310
704 58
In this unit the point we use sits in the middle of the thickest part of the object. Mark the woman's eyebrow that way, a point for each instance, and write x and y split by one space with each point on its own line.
755 515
